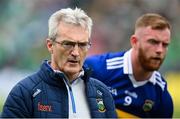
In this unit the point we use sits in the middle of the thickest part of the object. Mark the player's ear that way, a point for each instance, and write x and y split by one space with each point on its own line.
134 41
49 44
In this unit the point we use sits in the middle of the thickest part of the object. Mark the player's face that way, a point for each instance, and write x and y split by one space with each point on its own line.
152 47
69 49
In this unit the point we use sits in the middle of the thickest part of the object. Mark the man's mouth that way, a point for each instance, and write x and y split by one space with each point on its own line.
157 59
73 61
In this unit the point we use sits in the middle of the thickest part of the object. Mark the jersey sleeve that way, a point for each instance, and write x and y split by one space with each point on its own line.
98 65
166 107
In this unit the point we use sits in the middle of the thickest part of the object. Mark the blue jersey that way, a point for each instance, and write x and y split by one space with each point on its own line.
148 98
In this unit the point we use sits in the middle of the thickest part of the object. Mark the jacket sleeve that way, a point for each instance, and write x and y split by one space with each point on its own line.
18 103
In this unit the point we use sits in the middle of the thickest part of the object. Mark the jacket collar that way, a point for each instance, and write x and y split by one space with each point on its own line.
54 77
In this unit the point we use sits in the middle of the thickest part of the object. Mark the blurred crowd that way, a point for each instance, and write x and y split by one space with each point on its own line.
24 25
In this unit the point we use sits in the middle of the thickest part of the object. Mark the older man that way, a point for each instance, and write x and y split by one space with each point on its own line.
62 88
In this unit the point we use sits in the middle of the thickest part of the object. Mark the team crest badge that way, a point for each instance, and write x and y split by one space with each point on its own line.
100 105
148 105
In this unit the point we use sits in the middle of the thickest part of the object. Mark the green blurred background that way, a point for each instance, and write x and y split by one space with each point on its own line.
23 30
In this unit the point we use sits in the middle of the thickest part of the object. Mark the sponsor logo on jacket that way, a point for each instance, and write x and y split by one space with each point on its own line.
44 108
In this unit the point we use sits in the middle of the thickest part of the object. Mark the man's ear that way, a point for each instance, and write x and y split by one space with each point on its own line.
134 41
49 44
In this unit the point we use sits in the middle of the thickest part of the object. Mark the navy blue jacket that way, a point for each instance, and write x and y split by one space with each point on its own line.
44 94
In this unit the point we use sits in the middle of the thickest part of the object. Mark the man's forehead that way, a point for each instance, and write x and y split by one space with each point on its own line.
148 30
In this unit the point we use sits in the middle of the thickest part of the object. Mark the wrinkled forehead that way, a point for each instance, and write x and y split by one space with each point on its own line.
74 32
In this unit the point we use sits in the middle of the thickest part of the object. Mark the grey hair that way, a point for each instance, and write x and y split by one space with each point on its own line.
71 16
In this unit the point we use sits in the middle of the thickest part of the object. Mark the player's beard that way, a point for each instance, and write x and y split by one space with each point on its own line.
148 63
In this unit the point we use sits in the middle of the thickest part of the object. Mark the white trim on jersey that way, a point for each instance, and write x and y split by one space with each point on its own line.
126 63
159 80
127 68
114 63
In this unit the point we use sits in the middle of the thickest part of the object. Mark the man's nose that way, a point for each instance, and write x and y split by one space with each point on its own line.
75 50
159 48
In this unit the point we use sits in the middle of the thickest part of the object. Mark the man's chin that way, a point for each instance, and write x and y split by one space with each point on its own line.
153 68
72 70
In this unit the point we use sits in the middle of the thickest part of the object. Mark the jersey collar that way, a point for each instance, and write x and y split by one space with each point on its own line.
127 69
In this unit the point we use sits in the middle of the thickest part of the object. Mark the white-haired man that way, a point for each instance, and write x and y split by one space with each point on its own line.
62 88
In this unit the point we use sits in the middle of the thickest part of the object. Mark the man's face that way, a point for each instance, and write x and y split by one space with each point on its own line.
152 47
64 57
